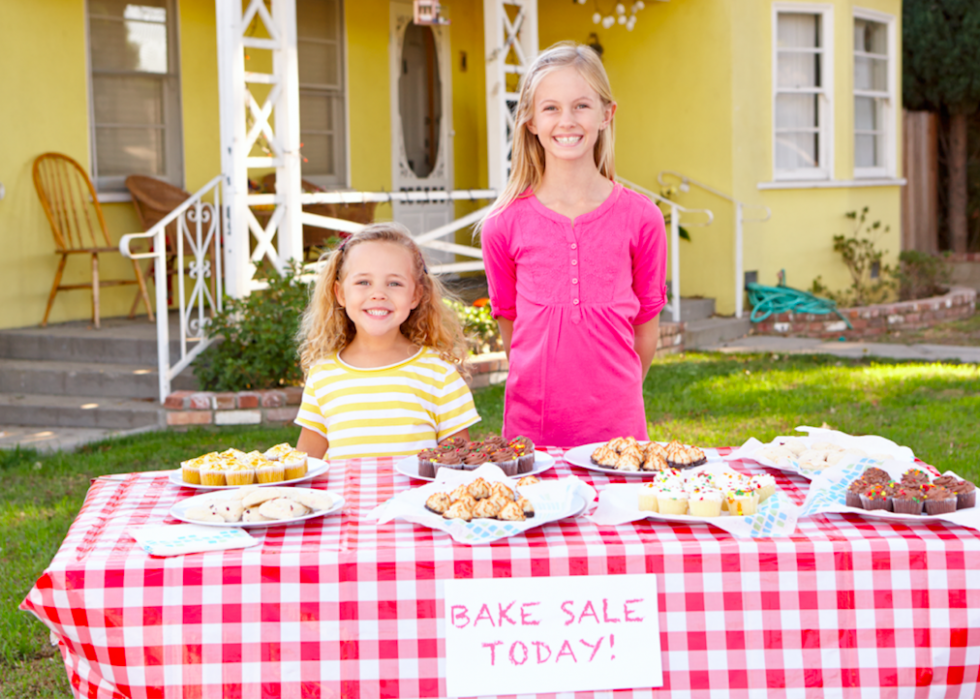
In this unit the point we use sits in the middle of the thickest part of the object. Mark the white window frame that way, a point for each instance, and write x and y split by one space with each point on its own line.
825 113
113 188
887 169
342 180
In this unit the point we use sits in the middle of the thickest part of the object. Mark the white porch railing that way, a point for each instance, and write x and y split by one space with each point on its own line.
675 240
199 223
740 220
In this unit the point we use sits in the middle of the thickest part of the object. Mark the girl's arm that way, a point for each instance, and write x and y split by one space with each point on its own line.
506 332
313 444
645 338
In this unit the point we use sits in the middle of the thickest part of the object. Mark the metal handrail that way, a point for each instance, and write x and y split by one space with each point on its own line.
675 240
740 219
199 223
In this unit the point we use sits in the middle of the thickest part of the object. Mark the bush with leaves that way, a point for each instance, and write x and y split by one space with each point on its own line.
871 281
921 275
479 326
258 338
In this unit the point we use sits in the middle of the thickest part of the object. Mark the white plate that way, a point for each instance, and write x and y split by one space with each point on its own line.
409 466
582 456
899 516
178 510
317 467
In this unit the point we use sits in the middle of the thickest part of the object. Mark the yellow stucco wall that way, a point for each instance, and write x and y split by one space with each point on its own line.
693 82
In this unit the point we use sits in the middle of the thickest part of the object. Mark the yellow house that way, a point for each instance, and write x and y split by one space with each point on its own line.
790 106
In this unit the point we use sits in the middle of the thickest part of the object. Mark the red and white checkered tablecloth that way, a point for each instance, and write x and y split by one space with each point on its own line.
342 607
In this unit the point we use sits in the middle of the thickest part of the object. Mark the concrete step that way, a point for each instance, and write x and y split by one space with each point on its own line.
92 347
711 331
66 378
692 309
79 411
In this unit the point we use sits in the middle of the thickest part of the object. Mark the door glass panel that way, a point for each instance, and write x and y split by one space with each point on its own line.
420 99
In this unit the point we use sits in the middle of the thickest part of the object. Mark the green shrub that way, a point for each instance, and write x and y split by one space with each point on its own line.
257 347
871 281
479 326
921 275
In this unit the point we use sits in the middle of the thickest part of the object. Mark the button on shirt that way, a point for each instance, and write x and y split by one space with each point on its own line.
574 375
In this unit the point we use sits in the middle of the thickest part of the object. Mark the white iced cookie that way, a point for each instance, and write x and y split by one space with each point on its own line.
242 492
252 515
229 510
313 499
795 446
261 495
825 446
282 508
203 514
775 454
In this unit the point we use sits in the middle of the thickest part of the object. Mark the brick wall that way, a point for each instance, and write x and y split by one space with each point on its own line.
276 406
871 321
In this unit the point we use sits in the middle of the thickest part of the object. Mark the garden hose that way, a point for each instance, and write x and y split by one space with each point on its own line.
767 300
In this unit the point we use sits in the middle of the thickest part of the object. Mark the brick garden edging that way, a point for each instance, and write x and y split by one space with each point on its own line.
871 321
280 405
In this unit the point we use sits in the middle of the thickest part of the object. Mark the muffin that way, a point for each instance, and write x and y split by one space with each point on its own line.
270 472
672 501
455 442
474 459
647 497
524 448
213 473
190 470
852 497
295 464
875 498
506 460
940 501
277 452
742 502
426 467
907 500
966 494
765 485
705 503
915 476
448 459
238 472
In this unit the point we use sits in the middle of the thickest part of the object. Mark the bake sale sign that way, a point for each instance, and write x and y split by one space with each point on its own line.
545 635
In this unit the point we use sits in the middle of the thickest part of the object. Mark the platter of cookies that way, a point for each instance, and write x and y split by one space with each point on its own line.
252 506
625 456
233 468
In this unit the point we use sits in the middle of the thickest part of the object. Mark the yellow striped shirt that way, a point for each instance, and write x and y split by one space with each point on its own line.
396 410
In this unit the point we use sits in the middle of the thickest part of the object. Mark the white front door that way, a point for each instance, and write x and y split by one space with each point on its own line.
421 121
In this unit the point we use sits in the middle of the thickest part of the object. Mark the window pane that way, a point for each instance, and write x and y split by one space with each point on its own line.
796 111
870 73
870 37
144 9
320 19
129 45
318 154
799 70
129 151
319 64
796 150
867 150
124 99
315 111
866 112
798 31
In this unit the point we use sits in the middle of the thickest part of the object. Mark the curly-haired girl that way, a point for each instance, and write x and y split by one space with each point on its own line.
380 349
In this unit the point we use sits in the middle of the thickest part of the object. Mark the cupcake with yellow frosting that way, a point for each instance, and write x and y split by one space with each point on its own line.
295 464
277 452
213 473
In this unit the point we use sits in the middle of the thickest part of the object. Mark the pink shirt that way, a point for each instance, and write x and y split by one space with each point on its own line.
575 293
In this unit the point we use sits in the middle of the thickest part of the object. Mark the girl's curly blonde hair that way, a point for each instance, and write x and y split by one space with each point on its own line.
326 328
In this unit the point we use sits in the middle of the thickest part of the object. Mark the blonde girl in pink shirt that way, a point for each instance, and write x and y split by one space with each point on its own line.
575 263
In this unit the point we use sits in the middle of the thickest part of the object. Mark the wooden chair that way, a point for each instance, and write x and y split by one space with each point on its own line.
79 228
153 200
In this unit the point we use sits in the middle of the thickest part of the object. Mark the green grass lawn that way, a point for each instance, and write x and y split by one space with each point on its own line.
706 399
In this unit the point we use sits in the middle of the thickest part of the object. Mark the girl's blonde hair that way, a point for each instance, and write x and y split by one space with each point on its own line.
326 328
527 155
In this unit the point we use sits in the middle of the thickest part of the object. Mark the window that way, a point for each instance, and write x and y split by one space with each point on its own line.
873 98
134 92
322 118
802 99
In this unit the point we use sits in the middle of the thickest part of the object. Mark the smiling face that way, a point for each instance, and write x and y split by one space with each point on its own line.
378 289
568 115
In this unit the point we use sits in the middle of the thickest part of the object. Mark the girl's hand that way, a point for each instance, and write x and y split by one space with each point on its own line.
506 332
312 443
645 339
